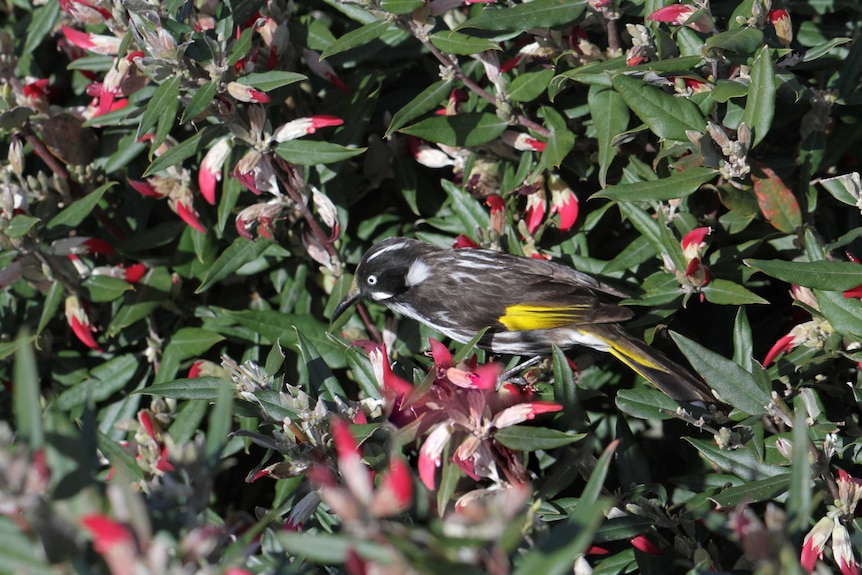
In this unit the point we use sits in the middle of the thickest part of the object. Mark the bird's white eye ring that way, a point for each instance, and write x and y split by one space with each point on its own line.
372 280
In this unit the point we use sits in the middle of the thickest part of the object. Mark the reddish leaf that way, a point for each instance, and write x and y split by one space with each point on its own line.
776 201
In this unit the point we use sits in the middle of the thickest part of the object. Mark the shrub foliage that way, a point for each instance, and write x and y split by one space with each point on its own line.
188 185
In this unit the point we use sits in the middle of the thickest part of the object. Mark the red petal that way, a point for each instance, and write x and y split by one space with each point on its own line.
441 354
106 532
399 482
82 331
96 246
145 189
496 203
464 242
207 185
78 38
784 343
135 272
641 543
195 370
190 216
854 293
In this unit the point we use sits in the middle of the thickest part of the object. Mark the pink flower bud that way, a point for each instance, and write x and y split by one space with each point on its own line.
79 320
107 45
680 15
303 126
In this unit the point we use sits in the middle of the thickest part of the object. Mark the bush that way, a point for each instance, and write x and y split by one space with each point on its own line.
189 185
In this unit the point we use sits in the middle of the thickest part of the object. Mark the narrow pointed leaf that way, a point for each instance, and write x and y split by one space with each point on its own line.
735 385
678 185
667 116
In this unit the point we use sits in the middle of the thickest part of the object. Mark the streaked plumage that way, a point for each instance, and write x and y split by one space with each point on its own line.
527 304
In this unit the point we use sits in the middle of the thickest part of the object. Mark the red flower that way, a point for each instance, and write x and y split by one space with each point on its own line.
680 15
211 166
641 543
462 241
79 320
107 533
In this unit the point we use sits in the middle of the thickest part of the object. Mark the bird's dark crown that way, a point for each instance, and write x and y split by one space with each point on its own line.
383 270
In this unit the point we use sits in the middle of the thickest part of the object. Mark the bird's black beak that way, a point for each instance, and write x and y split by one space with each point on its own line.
348 300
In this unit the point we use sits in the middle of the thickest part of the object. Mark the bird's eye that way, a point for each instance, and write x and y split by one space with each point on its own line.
372 280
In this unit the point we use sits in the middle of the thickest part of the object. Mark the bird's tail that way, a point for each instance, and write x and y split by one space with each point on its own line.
670 377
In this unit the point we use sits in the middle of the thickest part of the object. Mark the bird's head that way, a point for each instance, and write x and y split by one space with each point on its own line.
387 270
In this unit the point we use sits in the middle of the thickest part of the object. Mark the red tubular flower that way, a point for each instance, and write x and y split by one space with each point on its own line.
496 203
785 343
780 20
303 126
79 321
188 214
134 273
211 167
146 189
641 543
563 201
96 246
245 93
522 141
106 45
323 69
195 369
107 533
535 212
680 15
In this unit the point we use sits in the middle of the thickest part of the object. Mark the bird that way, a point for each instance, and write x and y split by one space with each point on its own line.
525 305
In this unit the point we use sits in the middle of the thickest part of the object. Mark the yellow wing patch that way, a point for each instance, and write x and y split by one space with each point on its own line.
520 317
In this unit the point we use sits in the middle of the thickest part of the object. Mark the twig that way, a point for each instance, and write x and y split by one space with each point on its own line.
323 238
470 83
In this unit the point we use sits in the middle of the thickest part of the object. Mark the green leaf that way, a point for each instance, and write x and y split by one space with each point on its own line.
426 101
150 292
528 86
529 438
43 20
801 483
20 225
845 314
558 146
462 130
667 116
272 80
105 380
329 549
99 288
195 388
740 462
53 299
277 326
220 420
844 188
241 47
733 384
751 492
400 6
182 151
678 185
355 38
724 292
320 376
466 208
726 89
566 392
743 343
239 253
760 105
118 457
610 117
26 397
646 402
310 152
556 552
72 216
199 102
165 96
535 14
739 40
452 42
822 275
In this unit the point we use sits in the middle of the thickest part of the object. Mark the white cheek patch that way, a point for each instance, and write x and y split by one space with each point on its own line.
380 295
418 273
